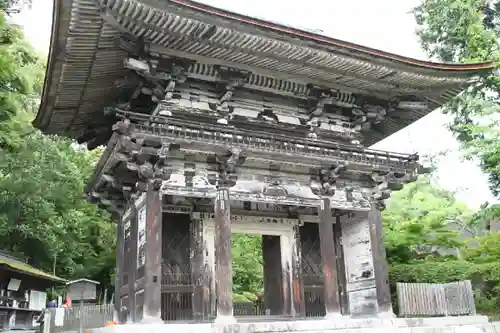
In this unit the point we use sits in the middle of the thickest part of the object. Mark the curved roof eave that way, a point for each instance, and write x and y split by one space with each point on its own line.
40 120
58 52
321 39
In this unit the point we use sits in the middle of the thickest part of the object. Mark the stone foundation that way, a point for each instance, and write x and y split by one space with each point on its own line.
469 324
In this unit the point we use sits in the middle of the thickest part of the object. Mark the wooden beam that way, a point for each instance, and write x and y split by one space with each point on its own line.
298 301
341 276
120 261
381 266
201 274
273 289
329 261
153 253
223 254
132 265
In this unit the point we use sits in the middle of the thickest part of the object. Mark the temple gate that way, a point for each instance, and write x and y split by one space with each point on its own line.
214 123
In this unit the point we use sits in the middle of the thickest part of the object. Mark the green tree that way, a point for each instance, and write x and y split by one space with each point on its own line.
247 265
420 219
468 31
43 214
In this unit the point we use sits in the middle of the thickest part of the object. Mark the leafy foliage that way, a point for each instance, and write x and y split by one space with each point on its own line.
417 221
42 212
248 273
432 238
468 31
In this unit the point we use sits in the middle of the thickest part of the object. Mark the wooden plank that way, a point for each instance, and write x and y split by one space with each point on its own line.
198 271
329 259
297 276
381 266
132 263
153 253
223 253
273 284
341 269
426 299
120 261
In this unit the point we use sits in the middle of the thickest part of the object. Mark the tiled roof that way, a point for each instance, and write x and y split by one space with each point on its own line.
22 267
85 62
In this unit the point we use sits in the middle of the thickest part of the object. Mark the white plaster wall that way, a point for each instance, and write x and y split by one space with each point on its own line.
358 257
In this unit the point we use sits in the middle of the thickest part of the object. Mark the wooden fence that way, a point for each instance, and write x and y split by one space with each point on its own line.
434 300
70 320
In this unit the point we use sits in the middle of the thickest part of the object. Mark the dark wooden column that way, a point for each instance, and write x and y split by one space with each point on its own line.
223 255
201 275
120 253
153 255
132 264
341 269
329 260
273 289
297 279
380 264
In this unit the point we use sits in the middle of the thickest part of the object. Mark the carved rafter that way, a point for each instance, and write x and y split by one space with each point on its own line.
230 79
160 75
321 99
227 163
328 178
384 183
135 163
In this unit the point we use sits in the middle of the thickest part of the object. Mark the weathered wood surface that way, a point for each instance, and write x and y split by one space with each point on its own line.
153 255
427 299
223 251
329 259
93 316
380 264
273 282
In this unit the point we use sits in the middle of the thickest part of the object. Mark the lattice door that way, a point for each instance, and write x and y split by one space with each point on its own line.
312 270
177 288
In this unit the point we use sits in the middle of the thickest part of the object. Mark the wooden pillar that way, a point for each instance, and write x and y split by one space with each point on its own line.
273 289
380 264
297 280
153 254
341 269
120 261
223 256
200 274
132 265
329 260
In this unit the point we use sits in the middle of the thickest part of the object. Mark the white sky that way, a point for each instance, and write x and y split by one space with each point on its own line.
384 24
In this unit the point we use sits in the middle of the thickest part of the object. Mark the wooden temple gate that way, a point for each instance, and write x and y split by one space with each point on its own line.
203 111
187 280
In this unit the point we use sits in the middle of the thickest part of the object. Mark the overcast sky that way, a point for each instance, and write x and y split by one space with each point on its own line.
384 24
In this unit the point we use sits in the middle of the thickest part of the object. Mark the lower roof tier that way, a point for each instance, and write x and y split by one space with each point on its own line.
87 53
194 163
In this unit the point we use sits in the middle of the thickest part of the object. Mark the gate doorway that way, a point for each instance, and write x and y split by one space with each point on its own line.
265 248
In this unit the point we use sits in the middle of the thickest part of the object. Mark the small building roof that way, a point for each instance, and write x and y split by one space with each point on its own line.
82 280
16 265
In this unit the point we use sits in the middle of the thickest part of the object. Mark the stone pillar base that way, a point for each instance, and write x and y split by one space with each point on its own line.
225 320
333 316
386 315
152 320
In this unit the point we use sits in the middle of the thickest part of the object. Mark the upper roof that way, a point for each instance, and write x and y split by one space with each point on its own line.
14 264
85 62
